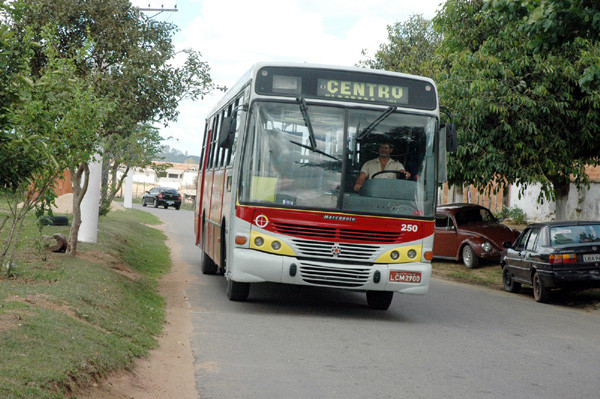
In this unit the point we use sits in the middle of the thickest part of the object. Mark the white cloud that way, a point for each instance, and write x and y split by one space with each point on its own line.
232 35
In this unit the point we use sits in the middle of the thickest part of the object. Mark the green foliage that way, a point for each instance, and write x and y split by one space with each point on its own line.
67 320
169 154
410 49
523 117
514 214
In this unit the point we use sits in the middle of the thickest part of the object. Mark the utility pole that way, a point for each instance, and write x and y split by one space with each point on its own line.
159 9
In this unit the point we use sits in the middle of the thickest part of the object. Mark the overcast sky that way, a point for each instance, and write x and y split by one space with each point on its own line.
234 34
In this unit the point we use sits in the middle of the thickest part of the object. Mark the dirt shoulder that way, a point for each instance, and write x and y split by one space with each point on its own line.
168 371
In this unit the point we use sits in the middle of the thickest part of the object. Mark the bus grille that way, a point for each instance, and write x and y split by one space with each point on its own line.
331 250
332 233
317 274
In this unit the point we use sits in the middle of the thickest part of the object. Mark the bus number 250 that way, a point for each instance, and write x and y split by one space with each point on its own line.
410 228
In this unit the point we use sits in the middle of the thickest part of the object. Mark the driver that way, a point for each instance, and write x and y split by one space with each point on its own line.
383 162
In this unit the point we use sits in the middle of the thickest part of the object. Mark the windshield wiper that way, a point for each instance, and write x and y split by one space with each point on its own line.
311 132
376 122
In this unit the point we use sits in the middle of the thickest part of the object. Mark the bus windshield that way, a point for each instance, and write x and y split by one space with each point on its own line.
286 164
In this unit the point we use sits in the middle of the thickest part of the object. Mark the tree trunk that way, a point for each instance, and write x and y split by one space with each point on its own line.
561 192
78 194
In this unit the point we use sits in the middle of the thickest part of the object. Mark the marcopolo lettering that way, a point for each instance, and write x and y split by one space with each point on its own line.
375 92
336 217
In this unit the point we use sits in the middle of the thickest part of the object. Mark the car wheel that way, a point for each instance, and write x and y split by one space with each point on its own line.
144 202
166 206
237 291
177 207
380 300
155 203
540 293
469 258
509 284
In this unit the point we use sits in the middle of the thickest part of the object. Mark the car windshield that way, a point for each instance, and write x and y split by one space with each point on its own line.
474 215
565 235
289 164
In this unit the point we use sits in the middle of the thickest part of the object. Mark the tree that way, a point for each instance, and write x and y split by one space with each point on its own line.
126 62
523 115
411 48
65 112
135 150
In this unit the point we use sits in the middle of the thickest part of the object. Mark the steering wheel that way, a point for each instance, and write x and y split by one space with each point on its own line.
399 174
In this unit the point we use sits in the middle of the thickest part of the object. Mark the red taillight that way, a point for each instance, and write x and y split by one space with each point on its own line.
160 195
179 197
563 258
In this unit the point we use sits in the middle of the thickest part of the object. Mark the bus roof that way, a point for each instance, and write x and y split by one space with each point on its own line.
251 75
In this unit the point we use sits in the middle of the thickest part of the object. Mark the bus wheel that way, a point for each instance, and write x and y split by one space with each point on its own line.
208 265
380 300
237 291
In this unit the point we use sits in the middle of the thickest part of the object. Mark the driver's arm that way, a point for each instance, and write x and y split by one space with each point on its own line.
359 182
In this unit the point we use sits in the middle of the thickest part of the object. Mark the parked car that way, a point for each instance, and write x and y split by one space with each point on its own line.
469 232
162 196
553 255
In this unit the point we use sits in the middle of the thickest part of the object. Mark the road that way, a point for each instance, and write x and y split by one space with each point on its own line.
458 341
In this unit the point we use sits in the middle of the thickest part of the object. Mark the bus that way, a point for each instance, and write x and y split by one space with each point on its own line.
277 199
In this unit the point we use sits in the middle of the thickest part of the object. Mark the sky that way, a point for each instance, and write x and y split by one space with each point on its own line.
232 35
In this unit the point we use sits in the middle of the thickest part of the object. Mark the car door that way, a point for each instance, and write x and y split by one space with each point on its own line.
529 254
515 256
444 241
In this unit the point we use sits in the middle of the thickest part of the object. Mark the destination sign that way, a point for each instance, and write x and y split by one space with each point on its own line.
371 87
362 91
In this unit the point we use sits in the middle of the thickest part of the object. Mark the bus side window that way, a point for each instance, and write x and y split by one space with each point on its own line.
221 159
203 152
237 116
213 146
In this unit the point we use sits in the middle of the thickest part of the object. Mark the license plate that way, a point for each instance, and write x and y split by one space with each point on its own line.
591 258
170 202
405 277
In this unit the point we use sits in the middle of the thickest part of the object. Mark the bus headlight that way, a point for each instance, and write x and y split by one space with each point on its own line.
395 255
276 245
258 241
412 254
486 246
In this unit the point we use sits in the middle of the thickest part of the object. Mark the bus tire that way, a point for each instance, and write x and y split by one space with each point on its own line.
237 291
208 266
380 300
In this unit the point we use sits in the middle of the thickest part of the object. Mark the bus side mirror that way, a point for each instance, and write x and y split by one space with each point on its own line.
227 132
451 138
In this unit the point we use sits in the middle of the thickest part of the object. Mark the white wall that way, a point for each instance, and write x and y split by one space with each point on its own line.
582 205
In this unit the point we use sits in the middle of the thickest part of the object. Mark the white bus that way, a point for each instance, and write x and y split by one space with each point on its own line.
277 198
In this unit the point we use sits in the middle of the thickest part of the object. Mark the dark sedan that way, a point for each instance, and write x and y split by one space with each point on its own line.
553 255
469 232
162 196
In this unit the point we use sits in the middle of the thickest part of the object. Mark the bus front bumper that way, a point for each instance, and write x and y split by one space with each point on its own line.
254 266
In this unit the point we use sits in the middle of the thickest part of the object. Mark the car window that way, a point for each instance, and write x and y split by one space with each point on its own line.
473 215
532 240
441 221
581 234
520 243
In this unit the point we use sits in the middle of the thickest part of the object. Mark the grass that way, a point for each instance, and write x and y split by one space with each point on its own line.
490 275
65 320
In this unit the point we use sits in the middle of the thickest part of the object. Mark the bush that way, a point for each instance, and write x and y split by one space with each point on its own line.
514 214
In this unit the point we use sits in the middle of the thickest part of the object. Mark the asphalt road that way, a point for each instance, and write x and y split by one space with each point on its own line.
458 341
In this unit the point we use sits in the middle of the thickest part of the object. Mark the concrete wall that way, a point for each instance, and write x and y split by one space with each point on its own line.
582 205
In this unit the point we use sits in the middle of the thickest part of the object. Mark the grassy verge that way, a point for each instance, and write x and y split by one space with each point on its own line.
66 320
490 275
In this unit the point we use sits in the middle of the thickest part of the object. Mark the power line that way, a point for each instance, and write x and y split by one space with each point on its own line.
162 8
